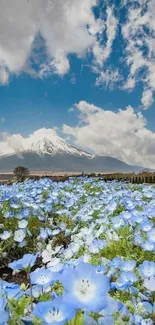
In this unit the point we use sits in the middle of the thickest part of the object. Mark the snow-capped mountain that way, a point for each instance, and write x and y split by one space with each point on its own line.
43 141
44 150
52 144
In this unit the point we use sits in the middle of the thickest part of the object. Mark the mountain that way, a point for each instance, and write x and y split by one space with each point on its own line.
46 151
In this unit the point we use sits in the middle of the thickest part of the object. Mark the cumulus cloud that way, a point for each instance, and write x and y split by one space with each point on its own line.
123 135
64 26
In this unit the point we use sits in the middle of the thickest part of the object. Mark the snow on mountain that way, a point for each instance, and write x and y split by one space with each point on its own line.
43 141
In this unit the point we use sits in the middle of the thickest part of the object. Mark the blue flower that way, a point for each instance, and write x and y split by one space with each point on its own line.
28 260
127 265
147 269
3 313
147 246
151 235
54 312
13 291
85 288
106 315
146 225
43 277
126 277
43 233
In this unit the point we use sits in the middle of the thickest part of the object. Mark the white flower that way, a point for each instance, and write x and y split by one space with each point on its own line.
149 283
46 255
5 235
23 223
19 235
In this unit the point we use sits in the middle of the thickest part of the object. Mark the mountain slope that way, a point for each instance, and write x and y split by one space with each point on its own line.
65 162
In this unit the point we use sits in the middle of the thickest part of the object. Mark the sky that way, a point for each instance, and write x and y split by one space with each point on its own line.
84 68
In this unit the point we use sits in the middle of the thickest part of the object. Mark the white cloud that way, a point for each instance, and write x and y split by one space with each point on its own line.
147 98
111 29
108 78
73 79
71 109
139 34
48 32
65 26
123 134
130 84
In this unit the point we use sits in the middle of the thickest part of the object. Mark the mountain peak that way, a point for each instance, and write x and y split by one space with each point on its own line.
43 141
46 141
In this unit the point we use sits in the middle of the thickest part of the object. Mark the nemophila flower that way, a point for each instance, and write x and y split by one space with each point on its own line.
38 290
118 222
146 226
127 265
43 277
19 235
147 269
147 246
27 261
85 288
126 215
138 239
4 316
149 283
8 214
22 223
14 205
43 233
151 235
54 312
55 265
105 315
116 262
12 290
25 212
129 276
5 235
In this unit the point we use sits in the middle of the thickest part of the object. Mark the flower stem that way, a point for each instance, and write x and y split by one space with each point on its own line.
78 318
30 293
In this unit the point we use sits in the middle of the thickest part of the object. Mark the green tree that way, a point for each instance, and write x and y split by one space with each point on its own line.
21 173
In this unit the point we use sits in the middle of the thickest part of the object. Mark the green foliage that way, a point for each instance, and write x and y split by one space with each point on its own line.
128 250
58 288
17 308
139 208
146 199
36 321
64 218
45 297
120 208
61 240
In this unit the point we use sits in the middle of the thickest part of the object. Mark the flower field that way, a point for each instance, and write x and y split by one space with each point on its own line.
79 252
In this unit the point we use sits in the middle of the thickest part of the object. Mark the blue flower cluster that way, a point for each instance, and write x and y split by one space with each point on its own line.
87 248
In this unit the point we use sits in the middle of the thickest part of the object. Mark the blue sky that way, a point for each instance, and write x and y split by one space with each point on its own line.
97 55
28 104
